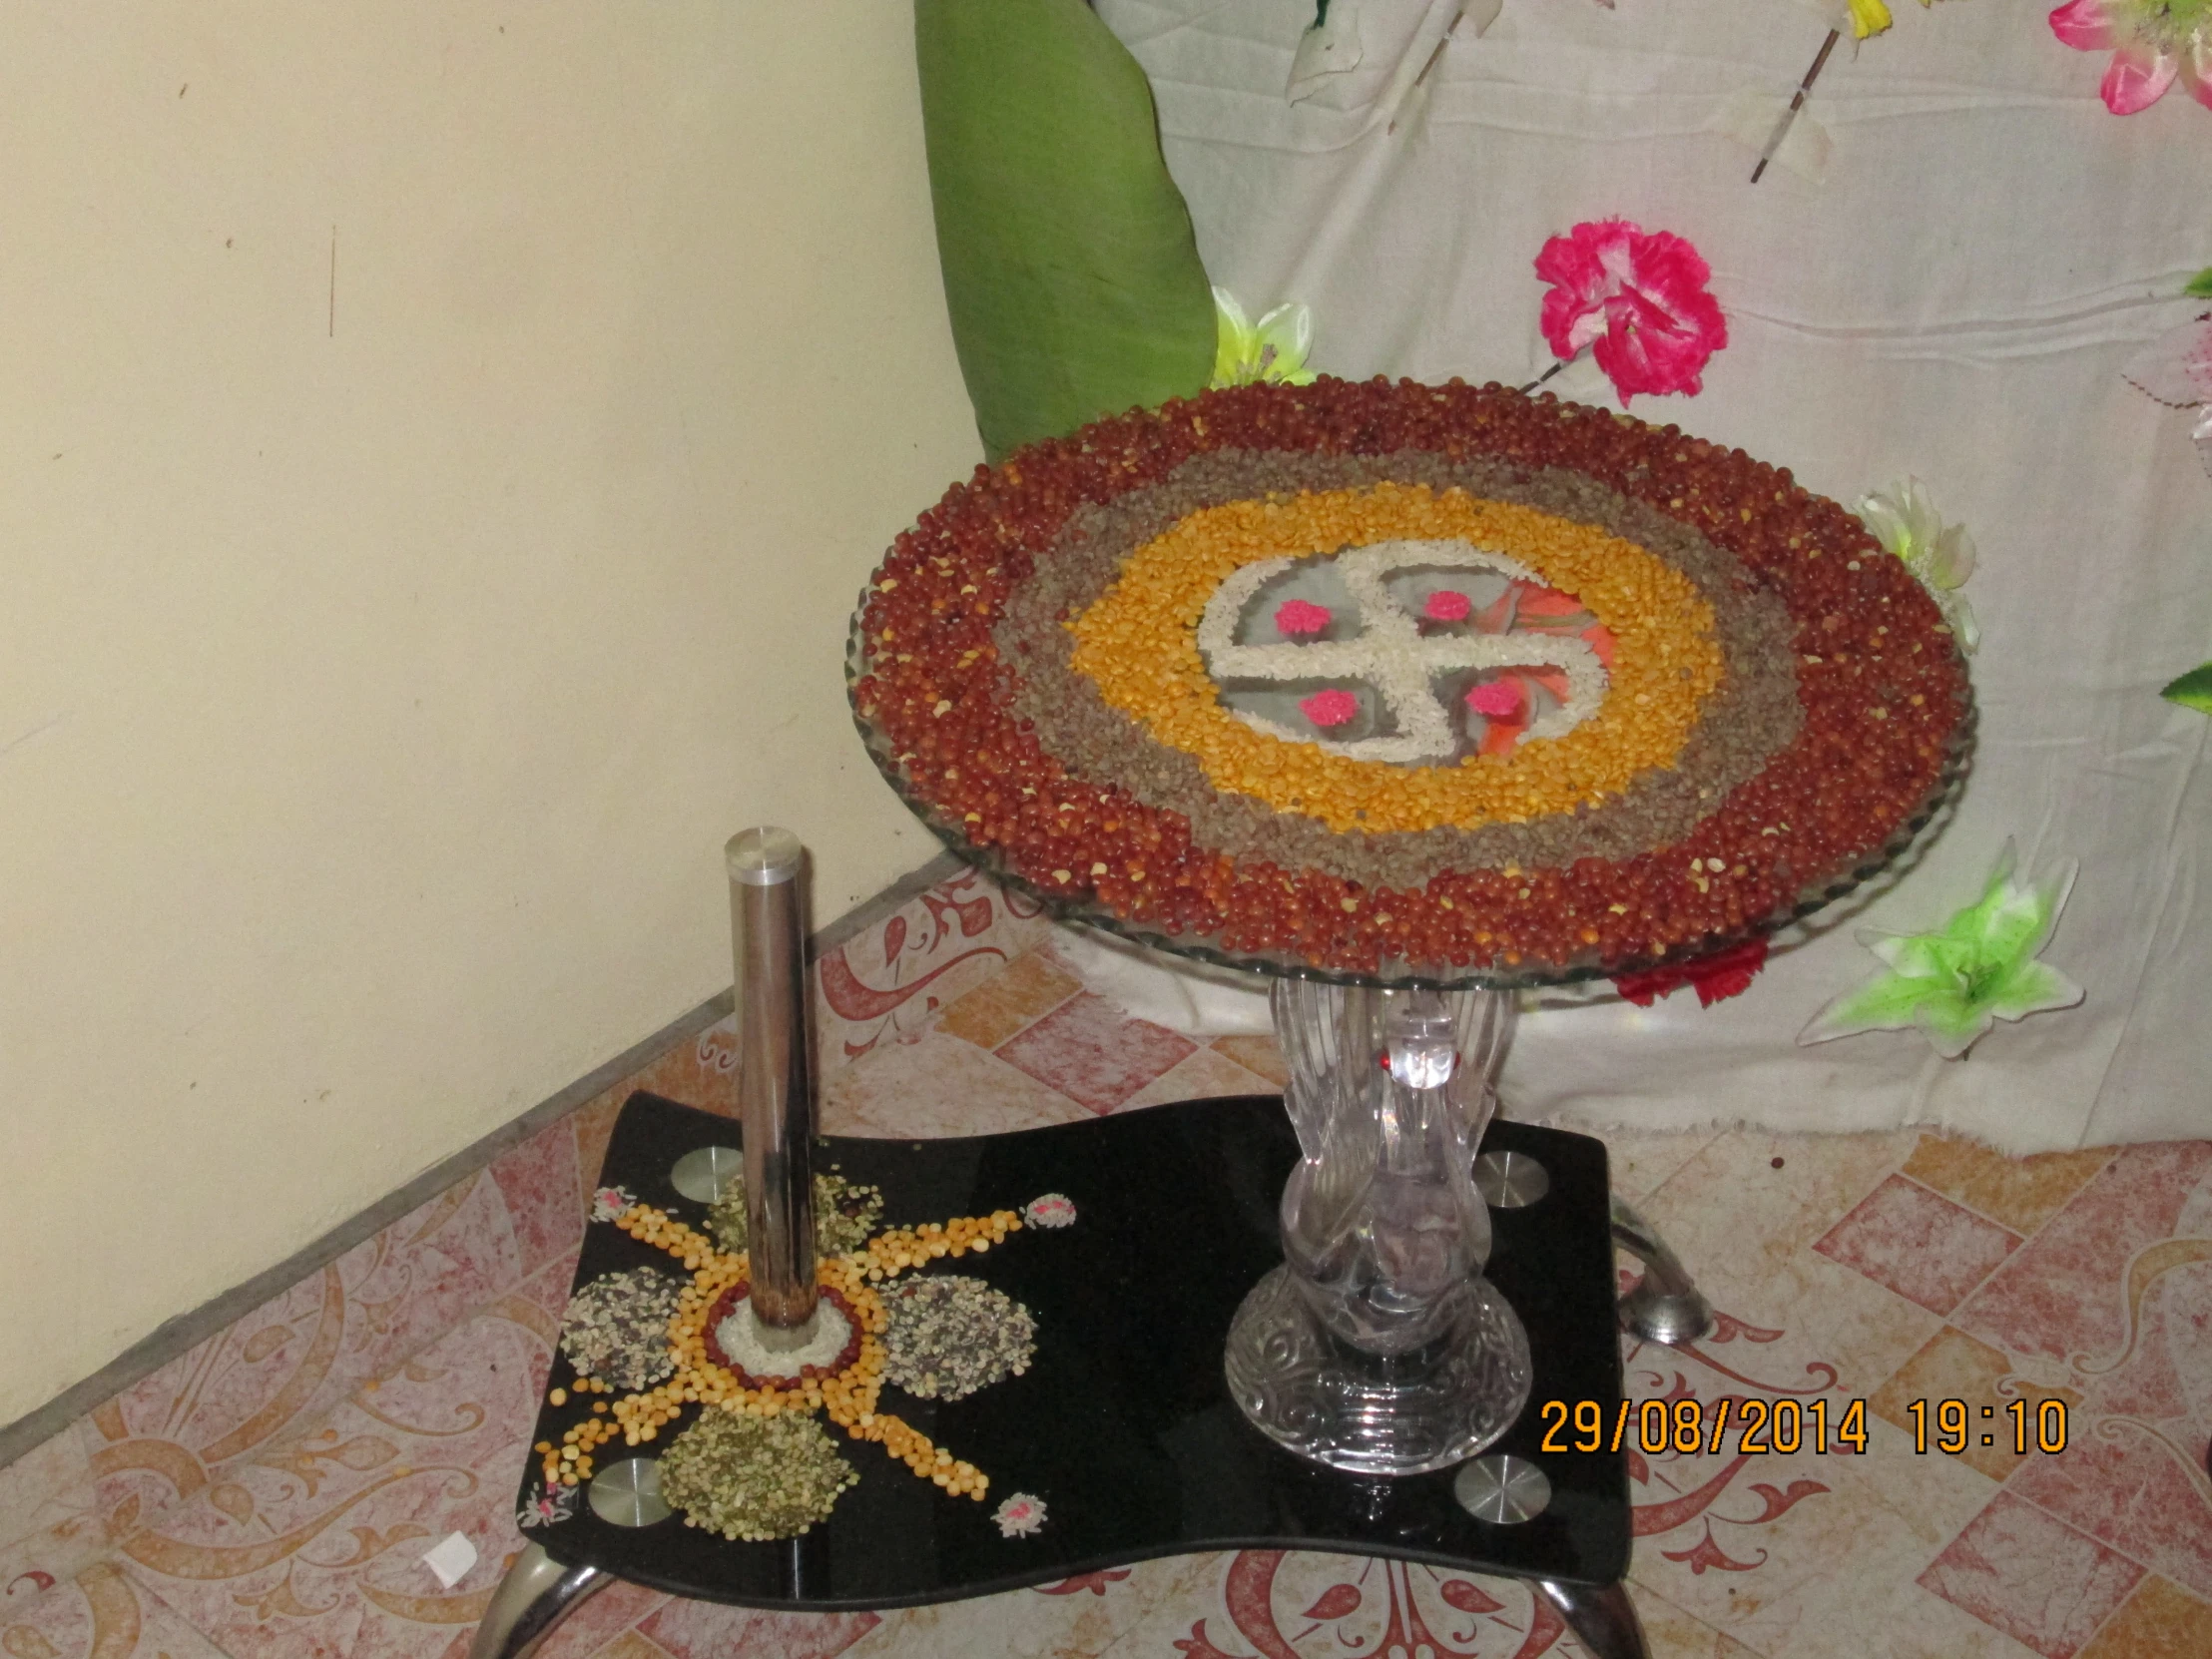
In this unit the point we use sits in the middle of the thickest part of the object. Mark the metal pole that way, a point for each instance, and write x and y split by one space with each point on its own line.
776 1096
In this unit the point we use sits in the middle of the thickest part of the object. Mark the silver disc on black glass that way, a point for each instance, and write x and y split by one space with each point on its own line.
1510 1180
628 1493
703 1176
1501 1488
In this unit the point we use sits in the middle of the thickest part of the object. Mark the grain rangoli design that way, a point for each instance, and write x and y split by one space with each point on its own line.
755 1464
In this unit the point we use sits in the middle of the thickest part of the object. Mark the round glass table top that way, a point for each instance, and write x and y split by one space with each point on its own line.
1091 912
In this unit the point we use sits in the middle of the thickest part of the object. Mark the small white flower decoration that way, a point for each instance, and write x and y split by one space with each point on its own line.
552 1505
1020 1515
1052 1210
609 1201
1939 557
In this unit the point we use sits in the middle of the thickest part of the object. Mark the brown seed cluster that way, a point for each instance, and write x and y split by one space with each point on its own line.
1880 687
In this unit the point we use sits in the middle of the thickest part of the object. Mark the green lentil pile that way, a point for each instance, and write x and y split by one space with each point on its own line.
617 1328
846 1213
949 1337
753 1479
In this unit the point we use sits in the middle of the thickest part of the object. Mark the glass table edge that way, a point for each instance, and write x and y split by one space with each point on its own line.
1918 830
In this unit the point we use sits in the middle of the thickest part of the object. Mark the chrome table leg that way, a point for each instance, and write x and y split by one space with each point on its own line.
1665 1306
1602 1618
532 1601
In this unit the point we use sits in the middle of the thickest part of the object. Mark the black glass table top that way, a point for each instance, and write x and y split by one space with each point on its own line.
1123 1423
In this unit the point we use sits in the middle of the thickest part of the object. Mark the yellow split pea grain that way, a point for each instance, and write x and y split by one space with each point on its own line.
1139 644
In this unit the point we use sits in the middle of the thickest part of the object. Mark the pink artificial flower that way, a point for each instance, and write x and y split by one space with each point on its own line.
1329 707
1447 605
1637 298
1295 617
2151 42
1716 978
1495 699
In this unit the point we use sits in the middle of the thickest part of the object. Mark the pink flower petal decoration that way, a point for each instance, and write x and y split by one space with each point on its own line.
2084 26
2153 43
1638 300
2136 79
1495 699
1295 617
1329 707
1447 605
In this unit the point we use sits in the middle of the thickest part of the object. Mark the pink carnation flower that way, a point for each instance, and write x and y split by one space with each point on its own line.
1329 707
1637 298
1447 605
1495 699
2151 42
1295 617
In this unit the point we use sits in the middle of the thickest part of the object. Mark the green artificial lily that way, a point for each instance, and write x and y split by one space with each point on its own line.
1274 348
1939 557
1977 968
2193 690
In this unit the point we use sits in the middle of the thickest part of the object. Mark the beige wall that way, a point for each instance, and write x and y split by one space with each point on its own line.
384 663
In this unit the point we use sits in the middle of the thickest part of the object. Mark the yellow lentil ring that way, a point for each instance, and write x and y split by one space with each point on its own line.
1139 644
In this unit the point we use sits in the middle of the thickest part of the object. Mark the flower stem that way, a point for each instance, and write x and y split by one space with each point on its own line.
1781 127
1546 374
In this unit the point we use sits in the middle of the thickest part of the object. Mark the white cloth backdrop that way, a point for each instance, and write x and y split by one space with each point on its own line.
1951 297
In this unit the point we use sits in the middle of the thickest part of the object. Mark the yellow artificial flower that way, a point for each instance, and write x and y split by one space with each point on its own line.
1870 17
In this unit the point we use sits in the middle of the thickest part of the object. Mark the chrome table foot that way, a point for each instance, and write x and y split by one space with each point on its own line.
532 1601
1665 1306
1602 1618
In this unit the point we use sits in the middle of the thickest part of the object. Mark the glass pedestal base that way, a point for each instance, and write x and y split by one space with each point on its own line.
1370 1414
1377 1347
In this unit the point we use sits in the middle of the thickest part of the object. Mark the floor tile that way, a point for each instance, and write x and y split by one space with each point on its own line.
1259 1055
2157 1621
1203 1074
1641 1163
939 1085
1732 1213
1952 1365
2023 1572
895 976
2019 1193
317 1544
2139 1489
2063 1293
45 1485
1315 1606
1092 1052
1917 1244
1119 1610
536 1181
593 1125
629 1644
1011 1001
103 1615
708 1630
601 1627
278 1371
701 1071
52 1526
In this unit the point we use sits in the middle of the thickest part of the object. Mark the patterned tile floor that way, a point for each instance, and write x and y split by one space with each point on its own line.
272 1492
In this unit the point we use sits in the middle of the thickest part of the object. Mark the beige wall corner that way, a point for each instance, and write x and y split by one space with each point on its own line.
390 637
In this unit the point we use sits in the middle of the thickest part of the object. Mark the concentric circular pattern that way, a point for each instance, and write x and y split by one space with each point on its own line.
727 1303
1840 714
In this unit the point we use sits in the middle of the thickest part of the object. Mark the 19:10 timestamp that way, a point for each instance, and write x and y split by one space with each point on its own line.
1955 1425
